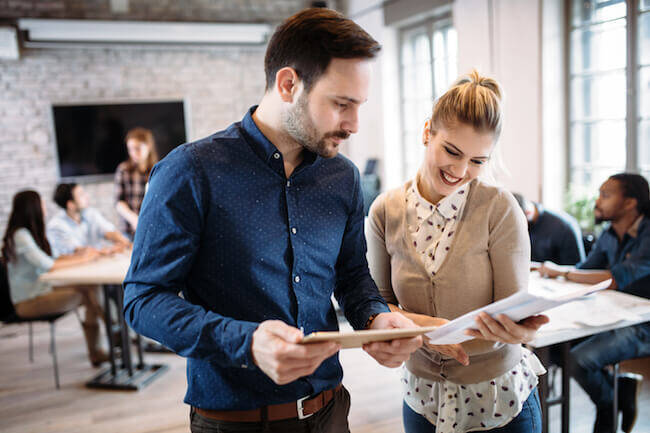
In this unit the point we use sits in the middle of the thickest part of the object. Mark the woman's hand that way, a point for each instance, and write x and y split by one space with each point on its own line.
455 351
504 330
551 270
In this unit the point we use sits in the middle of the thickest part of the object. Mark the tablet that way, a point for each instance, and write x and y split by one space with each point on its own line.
350 339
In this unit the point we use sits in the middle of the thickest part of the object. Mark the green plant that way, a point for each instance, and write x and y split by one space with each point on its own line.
579 203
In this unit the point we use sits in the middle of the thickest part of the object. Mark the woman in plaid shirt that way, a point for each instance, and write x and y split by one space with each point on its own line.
131 177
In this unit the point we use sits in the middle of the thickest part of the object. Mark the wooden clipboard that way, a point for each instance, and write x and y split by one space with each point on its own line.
350 339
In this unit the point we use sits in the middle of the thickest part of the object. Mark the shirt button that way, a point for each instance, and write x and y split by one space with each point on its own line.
288 183
276 155
293 230
296 278
244 366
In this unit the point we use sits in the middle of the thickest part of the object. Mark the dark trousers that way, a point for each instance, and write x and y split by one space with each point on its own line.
333 418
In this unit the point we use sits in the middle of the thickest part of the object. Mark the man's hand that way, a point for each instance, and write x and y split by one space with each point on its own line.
277 353
551 270
504 330
392 353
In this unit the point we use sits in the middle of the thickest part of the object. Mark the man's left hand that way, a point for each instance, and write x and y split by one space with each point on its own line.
392 353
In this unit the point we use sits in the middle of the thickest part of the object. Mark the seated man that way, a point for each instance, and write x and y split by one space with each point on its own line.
622 253
77 226
554 236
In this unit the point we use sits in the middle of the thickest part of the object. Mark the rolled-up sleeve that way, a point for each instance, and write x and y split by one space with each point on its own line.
355 291
165 247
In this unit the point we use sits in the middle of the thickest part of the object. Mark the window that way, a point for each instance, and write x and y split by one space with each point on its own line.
427 68
609 90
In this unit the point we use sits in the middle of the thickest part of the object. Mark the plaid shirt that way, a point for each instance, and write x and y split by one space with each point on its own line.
130 186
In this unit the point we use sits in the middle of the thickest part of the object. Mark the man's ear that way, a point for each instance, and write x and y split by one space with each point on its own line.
629 203
287 83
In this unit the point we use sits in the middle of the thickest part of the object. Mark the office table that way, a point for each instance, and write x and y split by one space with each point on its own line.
109 272
566 326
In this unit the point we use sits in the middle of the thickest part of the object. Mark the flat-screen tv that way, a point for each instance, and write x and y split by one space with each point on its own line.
90 138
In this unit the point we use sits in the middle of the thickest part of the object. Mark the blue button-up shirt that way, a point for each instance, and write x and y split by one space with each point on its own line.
222 224
627 260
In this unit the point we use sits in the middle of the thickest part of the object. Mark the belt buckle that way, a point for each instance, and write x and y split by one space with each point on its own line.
301 410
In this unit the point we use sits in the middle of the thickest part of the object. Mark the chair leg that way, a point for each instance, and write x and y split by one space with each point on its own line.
615 400
31 342
54 360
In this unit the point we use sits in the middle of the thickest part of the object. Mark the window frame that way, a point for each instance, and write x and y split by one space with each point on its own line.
429 26
633 116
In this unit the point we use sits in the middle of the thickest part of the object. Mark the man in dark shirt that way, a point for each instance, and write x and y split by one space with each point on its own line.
258 225
621 253
554 236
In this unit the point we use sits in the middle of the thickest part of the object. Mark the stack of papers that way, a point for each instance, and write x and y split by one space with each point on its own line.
547 294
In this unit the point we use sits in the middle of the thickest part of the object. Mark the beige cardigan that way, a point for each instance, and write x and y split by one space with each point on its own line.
489 260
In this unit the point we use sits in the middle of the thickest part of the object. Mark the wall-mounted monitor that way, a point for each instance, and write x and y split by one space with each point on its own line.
90 137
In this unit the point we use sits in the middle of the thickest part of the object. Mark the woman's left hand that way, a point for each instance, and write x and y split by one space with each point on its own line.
504 330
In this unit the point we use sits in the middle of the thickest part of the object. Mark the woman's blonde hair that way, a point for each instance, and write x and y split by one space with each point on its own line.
473 100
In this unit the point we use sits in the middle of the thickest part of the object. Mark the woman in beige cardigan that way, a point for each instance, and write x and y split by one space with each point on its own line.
444 244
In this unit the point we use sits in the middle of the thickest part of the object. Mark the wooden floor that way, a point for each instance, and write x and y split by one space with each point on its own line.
30 403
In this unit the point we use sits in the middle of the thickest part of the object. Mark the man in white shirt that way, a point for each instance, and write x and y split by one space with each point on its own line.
77 226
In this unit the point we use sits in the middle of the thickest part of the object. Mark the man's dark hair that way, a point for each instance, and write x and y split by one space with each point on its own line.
310 39
63 194
635 186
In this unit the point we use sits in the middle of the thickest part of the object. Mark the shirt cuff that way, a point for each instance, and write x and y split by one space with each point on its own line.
243 357
361 318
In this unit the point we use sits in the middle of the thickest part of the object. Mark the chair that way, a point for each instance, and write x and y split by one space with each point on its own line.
8 315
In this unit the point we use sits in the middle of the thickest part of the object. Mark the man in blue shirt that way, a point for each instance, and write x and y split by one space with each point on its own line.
554 236
257 225
622 253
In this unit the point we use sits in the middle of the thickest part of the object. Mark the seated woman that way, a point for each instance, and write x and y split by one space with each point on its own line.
27 254
444 244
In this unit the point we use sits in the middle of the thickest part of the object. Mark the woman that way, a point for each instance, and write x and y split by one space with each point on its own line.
132 175
27 253
445 244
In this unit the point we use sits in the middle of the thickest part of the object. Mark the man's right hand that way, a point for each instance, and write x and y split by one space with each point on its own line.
277 353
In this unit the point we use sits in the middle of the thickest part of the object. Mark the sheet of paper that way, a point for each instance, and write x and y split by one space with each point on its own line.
516 307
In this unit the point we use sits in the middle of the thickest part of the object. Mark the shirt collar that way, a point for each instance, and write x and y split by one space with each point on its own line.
262 146
448 207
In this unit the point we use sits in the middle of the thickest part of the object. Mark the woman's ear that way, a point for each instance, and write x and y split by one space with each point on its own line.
426 132
286 83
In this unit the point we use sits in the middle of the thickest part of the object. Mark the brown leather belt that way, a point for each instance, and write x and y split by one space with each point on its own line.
300 409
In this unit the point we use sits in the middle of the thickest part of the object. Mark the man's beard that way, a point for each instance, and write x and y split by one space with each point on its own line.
601 219
298 124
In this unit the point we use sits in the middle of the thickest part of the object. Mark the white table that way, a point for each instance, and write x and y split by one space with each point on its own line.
109 272
566 326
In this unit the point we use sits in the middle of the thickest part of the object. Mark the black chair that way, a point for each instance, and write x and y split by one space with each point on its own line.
8 315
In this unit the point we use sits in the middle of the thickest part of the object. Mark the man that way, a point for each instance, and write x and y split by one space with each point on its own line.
622 253
77 226
258 225
554 236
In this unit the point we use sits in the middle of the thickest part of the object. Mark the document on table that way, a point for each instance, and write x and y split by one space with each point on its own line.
516 307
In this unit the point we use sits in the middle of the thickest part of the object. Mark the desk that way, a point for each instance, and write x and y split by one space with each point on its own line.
109 272
563 329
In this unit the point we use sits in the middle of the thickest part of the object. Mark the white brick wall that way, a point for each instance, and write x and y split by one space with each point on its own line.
218 83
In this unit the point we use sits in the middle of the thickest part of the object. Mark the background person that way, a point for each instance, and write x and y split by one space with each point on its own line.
554 236
444 244
622 253
131 177
27 254
77 226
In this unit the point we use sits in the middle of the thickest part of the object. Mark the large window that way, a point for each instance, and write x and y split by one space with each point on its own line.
427 68
609 82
